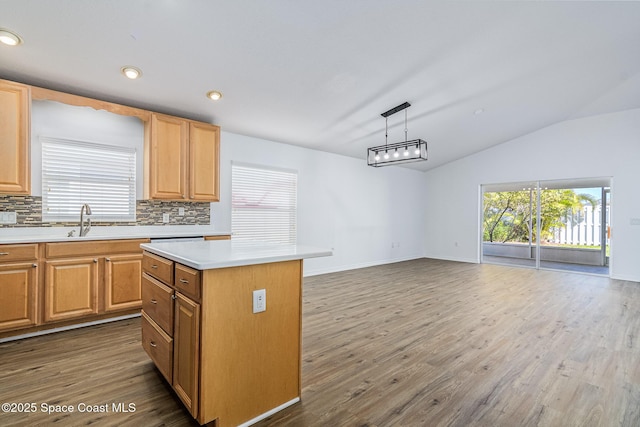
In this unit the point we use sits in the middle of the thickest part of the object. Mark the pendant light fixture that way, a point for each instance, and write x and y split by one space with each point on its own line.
399 152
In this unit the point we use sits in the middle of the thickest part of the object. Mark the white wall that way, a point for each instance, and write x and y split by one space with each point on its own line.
600 146
368 215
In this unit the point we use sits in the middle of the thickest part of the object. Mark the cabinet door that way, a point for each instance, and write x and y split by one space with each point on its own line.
17 295
186 351
123 282
168 158
15 173
71 288
204 154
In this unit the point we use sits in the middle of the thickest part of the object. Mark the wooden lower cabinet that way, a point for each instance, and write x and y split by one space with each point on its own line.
18 295
230 365
71 288
186 351
122 282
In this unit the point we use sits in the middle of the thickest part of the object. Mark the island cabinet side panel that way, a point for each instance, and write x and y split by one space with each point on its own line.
250 362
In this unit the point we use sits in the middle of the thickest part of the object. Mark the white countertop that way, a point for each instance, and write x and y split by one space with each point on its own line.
205 255
59 234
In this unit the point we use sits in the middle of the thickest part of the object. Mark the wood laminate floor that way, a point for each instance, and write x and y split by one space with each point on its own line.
417 343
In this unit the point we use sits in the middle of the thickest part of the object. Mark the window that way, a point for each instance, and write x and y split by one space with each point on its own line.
264 204
76 172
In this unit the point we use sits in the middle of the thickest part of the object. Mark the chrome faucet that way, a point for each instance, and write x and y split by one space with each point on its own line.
84 230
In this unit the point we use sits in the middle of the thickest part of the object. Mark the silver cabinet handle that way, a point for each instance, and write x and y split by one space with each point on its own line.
173 296
34 265
95 260
152 344
154 266
184 281
4 253
107 259
153 301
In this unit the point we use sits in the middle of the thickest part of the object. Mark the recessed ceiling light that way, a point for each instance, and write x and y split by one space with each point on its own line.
479 111
214 95
9 38
131 72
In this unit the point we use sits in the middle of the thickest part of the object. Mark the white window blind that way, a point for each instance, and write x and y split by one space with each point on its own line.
264 204
78 172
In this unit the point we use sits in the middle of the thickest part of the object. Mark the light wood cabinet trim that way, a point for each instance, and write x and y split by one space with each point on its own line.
158 345
71 288
186 352
93 248
157 302
42 94
187 281
18 295
204 155
122 282
224 237
19 252
15 140
158 267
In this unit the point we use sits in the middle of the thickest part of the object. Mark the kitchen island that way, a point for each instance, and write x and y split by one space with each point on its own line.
222 322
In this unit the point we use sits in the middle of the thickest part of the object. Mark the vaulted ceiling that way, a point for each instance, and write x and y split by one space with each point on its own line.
318 73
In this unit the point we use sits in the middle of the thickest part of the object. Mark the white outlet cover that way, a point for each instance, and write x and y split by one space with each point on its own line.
259 300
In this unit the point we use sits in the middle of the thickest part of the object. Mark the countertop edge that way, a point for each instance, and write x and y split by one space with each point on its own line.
209 265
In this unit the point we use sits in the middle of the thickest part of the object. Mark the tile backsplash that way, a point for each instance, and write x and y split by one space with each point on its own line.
148 212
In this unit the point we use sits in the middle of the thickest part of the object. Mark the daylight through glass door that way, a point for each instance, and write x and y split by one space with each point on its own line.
569 230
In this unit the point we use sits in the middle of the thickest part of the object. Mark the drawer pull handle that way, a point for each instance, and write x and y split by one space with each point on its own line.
153 301
173 296
4 253
34 265
107 259
152 344
184 281
154 266
95 260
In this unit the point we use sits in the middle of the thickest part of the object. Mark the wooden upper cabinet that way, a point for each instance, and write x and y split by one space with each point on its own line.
183 159
15 173
167 178
204 154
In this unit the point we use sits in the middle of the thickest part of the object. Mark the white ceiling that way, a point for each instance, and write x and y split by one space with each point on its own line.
318 73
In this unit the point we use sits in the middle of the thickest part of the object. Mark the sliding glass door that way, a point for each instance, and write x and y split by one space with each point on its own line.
510 224
548 224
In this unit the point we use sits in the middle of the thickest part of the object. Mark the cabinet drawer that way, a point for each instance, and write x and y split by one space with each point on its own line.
187 281
160 268
23 252
159 347
157 302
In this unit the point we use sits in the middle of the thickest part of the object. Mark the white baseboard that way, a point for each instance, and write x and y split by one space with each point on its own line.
69 327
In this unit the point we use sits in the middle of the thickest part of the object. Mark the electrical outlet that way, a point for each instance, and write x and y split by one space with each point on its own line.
165 217
180 211
8 218
259 300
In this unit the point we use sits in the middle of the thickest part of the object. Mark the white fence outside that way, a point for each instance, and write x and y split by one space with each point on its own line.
582 228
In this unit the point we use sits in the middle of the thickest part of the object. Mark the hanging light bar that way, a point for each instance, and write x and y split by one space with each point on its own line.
414 150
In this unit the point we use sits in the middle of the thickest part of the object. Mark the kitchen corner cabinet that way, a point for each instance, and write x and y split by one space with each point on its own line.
18 286
15 174
182 159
